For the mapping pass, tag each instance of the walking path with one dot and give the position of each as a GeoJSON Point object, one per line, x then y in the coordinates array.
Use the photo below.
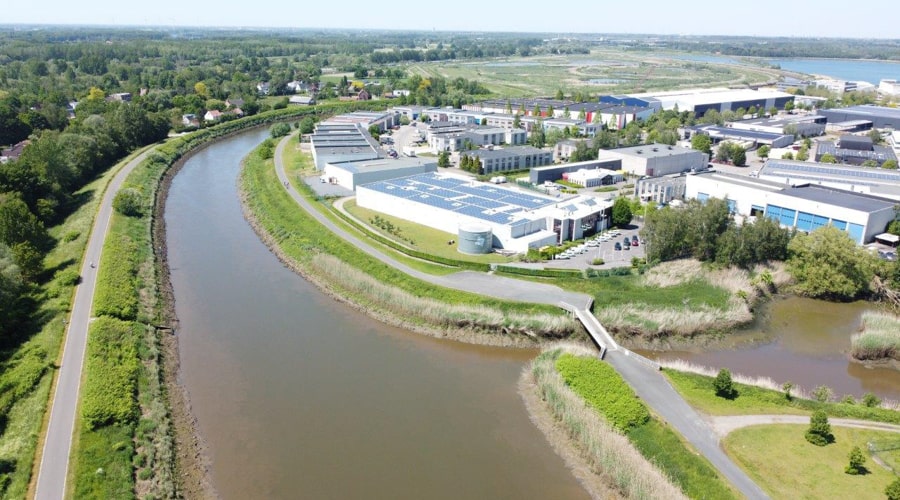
{"type": "Point", "coordinates": [723, 425]}
{"type": "Point", "coordinates": [51, 482]}
{"type": "Point", "coordinates": [648, 382]}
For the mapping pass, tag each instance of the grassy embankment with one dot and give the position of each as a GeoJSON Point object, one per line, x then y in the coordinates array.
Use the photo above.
{"type": "Point", "coordinates": [27, 371]}
{"type": "Point", "coordinates": [880, 338]}
{"type": "Point", "coordinates": [759, 396]}
{"type": "Point", "coordinates": [634, 452]}
{"type": "Point", "coordinates": [785, 465]}
{"type": "Point", "coordinates": [352, 274]}
{"type": "Point", "coordinates": [124, 442]}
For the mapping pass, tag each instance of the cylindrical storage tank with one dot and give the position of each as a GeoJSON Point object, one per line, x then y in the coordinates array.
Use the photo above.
{"type": "Point", "coordinates": [475, 238]}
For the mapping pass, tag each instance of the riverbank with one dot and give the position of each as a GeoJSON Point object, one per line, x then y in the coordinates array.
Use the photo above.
{"type": "Point", "coordinates": [879, 341]}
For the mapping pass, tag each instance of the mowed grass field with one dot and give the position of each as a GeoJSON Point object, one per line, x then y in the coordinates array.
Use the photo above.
{"type": "Point", "coordinates": [419, 237]}
{"type": "Point", "coordinates": [785, 465]}
{"type": "Point", "coordinates": [601, 71]}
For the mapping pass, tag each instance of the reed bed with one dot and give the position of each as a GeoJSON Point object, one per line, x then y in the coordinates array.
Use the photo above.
{"type": "Point", "coordinates": [609, 452]}
{"type": "Point", "coordinates": [662, 321]}
{"type": "Point", "coordinates": [405, 304]}
{"type": "Point", "coordinates": [880, 338]}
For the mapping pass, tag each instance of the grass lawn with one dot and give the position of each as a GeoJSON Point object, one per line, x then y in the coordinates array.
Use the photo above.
{"type": "Point", "coordinates": [785, 465]}
{"type": "Point", "coordinates": [295, 161]}
{"type": "Point", "coordinates": [419, 237]}
{"type": "Point", "coordinates": [699, 393]}
{"type": "Point", "coordinates": [616, 290]}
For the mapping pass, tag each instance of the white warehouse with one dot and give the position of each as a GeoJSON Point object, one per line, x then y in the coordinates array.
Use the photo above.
{"type": "Point", "coordinates": [804, 207]}
{"type": "Point", "coordinates": [518, 220]}
{"type": "Point", "coordinates": [656, 159]}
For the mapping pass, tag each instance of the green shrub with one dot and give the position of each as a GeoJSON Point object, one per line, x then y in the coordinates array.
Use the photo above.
{"type": "Point", "coordinates": [117, 294]}
{"type": "Point", "coordinates": [111, 370]}
{"type": "Point", "coordinates": [870, 400]}
{"type": "Point", "coordinates": [601, 387]}
{"type": "Point", "coordinates": [819, 432]}
{"type": "Point", "coordinates": [597, 262]}
{"type": "Point", "coordinates": [279, 130]}
{"type": "Point", "coordinates": [723, 385]}
{"type": "Point", "coordinates": [71, 236]}
{"type": "Point", "coordinates": [857, 463]}
{"type": "Point", "coordinates": [128, 201]}
{"type": "Point", "coordinates": [893, 490]}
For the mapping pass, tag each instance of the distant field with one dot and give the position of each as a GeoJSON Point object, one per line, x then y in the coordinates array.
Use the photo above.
{"type": "Point", "coordinates": [605, 71]}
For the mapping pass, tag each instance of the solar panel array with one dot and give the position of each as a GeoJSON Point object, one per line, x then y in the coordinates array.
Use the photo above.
{"type": "Point", "coordinates": [486, 202]}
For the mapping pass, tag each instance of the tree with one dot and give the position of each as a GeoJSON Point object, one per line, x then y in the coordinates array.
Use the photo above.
{"type": "Point", "coordinates": [787, 387]}
{"type": "Point", "coordinates": [517, 121]}
{"type": "Point", "coordinates": [701, 142]}
{"type": "Point", "coordinates": [538, 137]}
{"type": "Point", "coordinates": [375, 131]}
{"type": "Point", "coordinates": [559, 95]}
{"type": "Point", "coordinates": [890, 164]}
{"type": "Point", "coordinates": [201, 90]}
{"type": "Point", "coordinates": [893, 490]}
{"type": "Point", "coordinates": [763, 151]}
{"type": "Point", "coordinates": [869, 164]}
{"type": "Point", "coordinates": [787, 156]}
{"type": "Point", "coordinates": [857, 463]}
{"type": "Point", "coordinates": [789, 106]}
{"type": "Point", "coordinates": [802, 154]}
{"type": "Point", "coordinates": [819, 432]}
{"type": "Point", "coordinates": [870, 400]}
{"type": "Point", "coordinates": [129, 202]}
{"type": "Point", "coordinates": [828, 263]}
{"type": "Point", "coordinates": [307, 125]}
{"type": "Point", "coordinates": [827, 158]}
{"type": "Point", "coordinates": [723, 385]}
{"type": "Point", "coordinates": [279, 130]}
{"type": "Point", "coordinates": [443, 159]}
{"type": "Point", "coordinates": [10, 285]}
{"type": "Point", "coordinates": [822, 393]}
{"type": "Point", "coordinates": [621, 212]}
{"type": "Point", "coordinates": [738, 156]}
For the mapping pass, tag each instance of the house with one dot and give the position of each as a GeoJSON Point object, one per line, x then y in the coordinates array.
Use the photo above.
{"type": "Point", "coordinates": [212, 115]}
{"type": "Point", "coordinates": [297, 86]}
{"type": "Point", "coordinates": [14, 151]}
{"type": "Point", "coordinates": [119, 97]}
{"type": "Point", "coordinates": [303, 100]}
{"type": "Point", "coordinates": [238, 112]}
{"type": "Point", "coordinates": [235, 102]}
{"type": "Point", "coordinates": [363, 95]}
{"type": "Point", "coordinates": [190, 120]}
{"type": "Point", "coordinates": [263, 88]}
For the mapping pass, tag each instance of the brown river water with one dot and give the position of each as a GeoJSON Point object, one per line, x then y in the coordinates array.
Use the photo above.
{"type": "Point", "coordinates": [299, 396]}
{"type": "Point", "coordinates": [803, 341]}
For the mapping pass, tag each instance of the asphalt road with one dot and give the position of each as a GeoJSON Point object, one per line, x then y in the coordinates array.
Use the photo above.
{"type": "Point", "coordinates": [51, 482]}
{"type": "Point", "coordinates": [649, 384]}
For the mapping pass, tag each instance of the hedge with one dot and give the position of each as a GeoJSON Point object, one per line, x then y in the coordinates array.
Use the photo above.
{"type": "Point", "coordinates": [111, 371]}
{"type": "Point", "coordinates": [543, 273]}
{"type": "Point", "coordinates": [602, 387]}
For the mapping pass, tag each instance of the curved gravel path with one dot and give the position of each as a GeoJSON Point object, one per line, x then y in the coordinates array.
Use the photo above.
{"type": "Point", "coordinates": [723, 425]}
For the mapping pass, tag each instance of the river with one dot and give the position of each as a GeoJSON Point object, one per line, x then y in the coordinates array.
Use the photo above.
{"type": "Point", "coordinates": [300, 396]}
{"type": "Point", "coordinates": [844, 69]}
{"type": "Point", "coordinates": [803, 341]}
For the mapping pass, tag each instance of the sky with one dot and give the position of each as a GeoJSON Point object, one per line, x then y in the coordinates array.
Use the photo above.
{"type": "Point", "coordinates": [804, 18]}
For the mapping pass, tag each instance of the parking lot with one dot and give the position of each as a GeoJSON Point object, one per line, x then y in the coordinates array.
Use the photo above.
{"type": "Point", "coordinates": [604, 250]}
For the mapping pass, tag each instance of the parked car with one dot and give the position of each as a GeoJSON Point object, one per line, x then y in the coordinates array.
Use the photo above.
{"type": "Point", "coordinates": [634, 241]}
{"type": "Point", "coordinates": [627, 244]}
{"type": "Point", "coordinates": [618, 246]}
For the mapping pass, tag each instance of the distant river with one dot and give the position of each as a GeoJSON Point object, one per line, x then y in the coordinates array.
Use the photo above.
{"type": "Point", "coordinates": [844, 69]}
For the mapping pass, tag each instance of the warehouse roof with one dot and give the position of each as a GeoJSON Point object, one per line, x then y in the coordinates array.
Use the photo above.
{"type": "Point", "coordinates": [840, 198]}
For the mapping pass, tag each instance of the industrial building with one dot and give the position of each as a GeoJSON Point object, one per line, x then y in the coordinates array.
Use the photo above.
{"type": "Point", "coordinates": [874, 181]}
{"type": "Point", "coordinates": [457, 138]}
{"type": "Point", "coordinates": [552, 173]}
{"type": "Point", "coordinates": [656, 159]}
{"type": "Point", "coordinates": [753, 138]}
{"type": "Point", "coordinates": [796, 125]}
{"type": "Point", "coordinates": [350, 174]}
{"type": "Point", "coordinates": [335, 142]}
{"type": "Point", "coordinates": [593, 177]}
{"type": "Point", "coordinates": [699, 101]}
{"type": "Point", "coordinates": [880, 116]}
{"type": "Point", "coordinates": [804, 207]}
{"type": "Point", "coordinates": [661, 190]}
{"type": "Point", "coordinates": [855, 150]}
{"type": "Point", "coordinates": [511, 158]}
{"type": "Point", "coordinates": [478, 212]}
{"type": "Point", "coordinates": [384, 120]}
